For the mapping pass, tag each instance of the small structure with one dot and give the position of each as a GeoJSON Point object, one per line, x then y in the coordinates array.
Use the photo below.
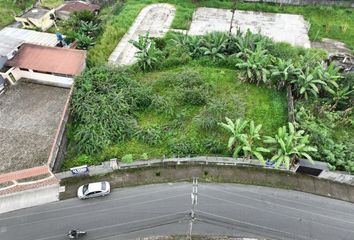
{"type": "Point", "coordinates": [37, 18]}
{"type": "Point", "coordinates": [63, 12]}
{"type": "Point", "coordinates": [12, 38]}
{"type": "Point", "coordinates": [45, 65]}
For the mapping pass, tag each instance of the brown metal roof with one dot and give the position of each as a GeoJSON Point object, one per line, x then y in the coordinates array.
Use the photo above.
{"type": "Point", "coordinates": [49, 59]}
{"type": "Point", "coordinates": [76, 6]}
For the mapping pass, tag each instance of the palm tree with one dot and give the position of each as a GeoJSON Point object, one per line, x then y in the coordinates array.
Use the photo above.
{"type": "Point", "coordinates": [290, 144]}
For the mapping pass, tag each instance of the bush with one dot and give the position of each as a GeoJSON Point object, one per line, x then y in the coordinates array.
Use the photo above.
{"type": "Point", "coordinates": [161, 105]}
{"type": "Point", "coordinates": [214, 146]}
{"type": "Point", "coordinates": [150, 136]}
{"type": "Point", "coordinates": [216, 111]}
{"type": "Point", "coordinates": [189, 87]}
{"type": "Point", "coordinates": [128, 158]}
{"type": "Point", "coordinates": [184, 147]}
{"type": "Point", "coordinates": [79, 161]}
{"type": "Point", "coordinates": [103, 105]}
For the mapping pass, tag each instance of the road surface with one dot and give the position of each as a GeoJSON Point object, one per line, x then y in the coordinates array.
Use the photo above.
{"type": "Point", "coordinates": [229, 209]}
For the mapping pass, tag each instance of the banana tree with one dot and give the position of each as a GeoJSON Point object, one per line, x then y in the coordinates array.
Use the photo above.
{"type": "Point", "coordinates": [308, 83]}
{"type": "Point", "coordinates": [244, 139]}
{"type": "Point", "coordinates": [256, 65]}
{"type": "Point", "coordinates": [289, 145]}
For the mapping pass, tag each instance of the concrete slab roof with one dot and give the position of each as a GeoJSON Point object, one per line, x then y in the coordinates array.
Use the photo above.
{"type": "Point", "coordinates": [75, 6]}
{"type": "Point", "coordinates": [49, 59]}
{"type": "Point", "coordinates": [7, 34]}
{"type": "Point", "coordinates": [35, 13]}
{"type": "Point", "coordinates": [29, 117]}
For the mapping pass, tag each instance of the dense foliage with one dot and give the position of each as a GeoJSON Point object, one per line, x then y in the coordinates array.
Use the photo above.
{"type": "Point", "coordinates": [104, 104]}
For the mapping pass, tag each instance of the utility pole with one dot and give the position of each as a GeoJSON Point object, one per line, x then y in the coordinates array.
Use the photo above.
{"type": "Point", "coordinates": [194, 196]}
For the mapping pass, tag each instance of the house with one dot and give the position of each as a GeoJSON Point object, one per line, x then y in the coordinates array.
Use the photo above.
{"type": "Point", "coordinates": [63, 12]}
{"type": "Point", "coordinates": [12, 38]}
{"type": "Point", "coordinates": [37, 18]}
{"type": "Point", "coordinates": [45, 65]}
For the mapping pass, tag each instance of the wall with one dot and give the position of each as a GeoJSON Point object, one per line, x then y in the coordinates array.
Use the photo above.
{"type": "Point", "coordinates": [29, 198]}
{"type": "Point", "coordinates": [41, 78]}
{"type": "Point", "coordinates": [347, 3]}
{"type": "Point", "coordinates": [217, 173]}
{"type": "Point", "coordinates": [57, 152]}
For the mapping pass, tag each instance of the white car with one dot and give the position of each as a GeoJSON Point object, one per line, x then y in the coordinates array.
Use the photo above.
{"type": "Point", "coordinates": [92, 190]}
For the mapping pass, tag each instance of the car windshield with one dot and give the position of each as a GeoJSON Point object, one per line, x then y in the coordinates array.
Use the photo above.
{"type": "Point", "coordinates": [84, 189]}
{"type": "Point", "coordinates": [103, 185]}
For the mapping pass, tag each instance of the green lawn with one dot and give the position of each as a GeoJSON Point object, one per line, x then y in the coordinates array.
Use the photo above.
{"type": "Point", "coordinates": [263, 105]}
{"type": "Point", "coordinates": [8, 9]}
{"type": "Point", "coordinates": [326, 21]}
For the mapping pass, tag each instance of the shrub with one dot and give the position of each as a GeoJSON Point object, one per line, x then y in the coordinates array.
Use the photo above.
{"type": "Point", "coordinates": [214, 146]}
{"type": "Point", "coordinates": [128, 158]}
{"type": "Point", "coordinates": [184, 147]}
{"type": "Point", "coordinates": [151, 135]}
{"type": "Point", "coordinates": [161, 105]}
{"type": "Point", "coordinates": [189, 87]}
{"type": "Point", "coordinates": [216, 111]}
{"type": "Point", "coordinates": [79, 161]}
{"type": "Point", "coordinates": [103, 105]}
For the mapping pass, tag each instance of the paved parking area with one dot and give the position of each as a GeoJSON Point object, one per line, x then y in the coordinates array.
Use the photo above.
{"type": "Point", "coordinates": [289, 28]}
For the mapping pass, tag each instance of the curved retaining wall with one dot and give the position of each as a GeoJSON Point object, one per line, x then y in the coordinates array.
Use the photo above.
{"type": "Point", "coordinates": [216, 173]}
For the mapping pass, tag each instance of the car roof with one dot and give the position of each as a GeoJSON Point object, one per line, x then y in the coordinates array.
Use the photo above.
{"type": "Point", "coordinates": [97, 186]}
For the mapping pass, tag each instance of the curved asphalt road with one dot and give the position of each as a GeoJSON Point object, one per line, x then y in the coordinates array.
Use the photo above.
{"type": "Point", "coordinates": [228, 209]}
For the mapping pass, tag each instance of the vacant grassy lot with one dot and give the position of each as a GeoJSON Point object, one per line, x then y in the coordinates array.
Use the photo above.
{"type": "Point", "coordinates": [326, 21]}
{"type": "Point", "coordinates": [180, 126]}
{"type": "Point", "coordinates": [9, 8]}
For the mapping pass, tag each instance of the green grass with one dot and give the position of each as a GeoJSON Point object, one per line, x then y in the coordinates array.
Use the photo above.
{"type": "Point", "coordinates": [51, 3]}
{"type": "Point", "coordinates": [8, 9]}
{"type": "Point", "coordinates": [264, 106]}
{"type": "Point", "coordinates": [326, 21]}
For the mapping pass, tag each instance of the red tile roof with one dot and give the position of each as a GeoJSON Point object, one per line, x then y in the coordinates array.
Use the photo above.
{"type": "Point", "coordinates": [76, 6]}
{"type": "Point", "coordinates": [49, 59]}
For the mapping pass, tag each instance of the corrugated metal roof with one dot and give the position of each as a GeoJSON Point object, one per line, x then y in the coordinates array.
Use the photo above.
{"type": "Point", "coordinates": [30, 36]}
{"type": "Point", "coordinates": [75, 6]}
{"type": "Point", "coordinates": [49, 59]}
{"type": "Point", "coordinates": [8, 44]}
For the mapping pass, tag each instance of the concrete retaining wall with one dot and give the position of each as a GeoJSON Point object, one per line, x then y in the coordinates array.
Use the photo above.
{"type": "Point", "coordinates": [345, 3]}
{"type": "Point", "coordinates": [217, 173]}
{"type": "Point", "coordinates": [29, 198]}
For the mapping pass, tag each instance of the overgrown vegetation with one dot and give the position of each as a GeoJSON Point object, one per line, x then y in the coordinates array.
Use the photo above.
{"type": "Point", "coordinates": [326, 21]}
{"type": "Point", "coordinates": [187, 85]}
{"type": "Point", "coordinates": [10, 8]}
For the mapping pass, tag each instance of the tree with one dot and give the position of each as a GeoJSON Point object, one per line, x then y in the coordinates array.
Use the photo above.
{"type": "Point", "coordinates": [340, 95]}
{"type": "Point", "coordinates": [284, 72]}
{"type": "Point", "coordinates": [214, 45]}
{"type": "Point", "coordinates": [148, 55]}
{"type": "Point", "coordinates": [243, 140]}
{"type": "Point", "coordinates": [308, 83]}
{"type": "Point", "coordinates": [289, 145]}
{"type": "Point", "coordinates": [256, 65]}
